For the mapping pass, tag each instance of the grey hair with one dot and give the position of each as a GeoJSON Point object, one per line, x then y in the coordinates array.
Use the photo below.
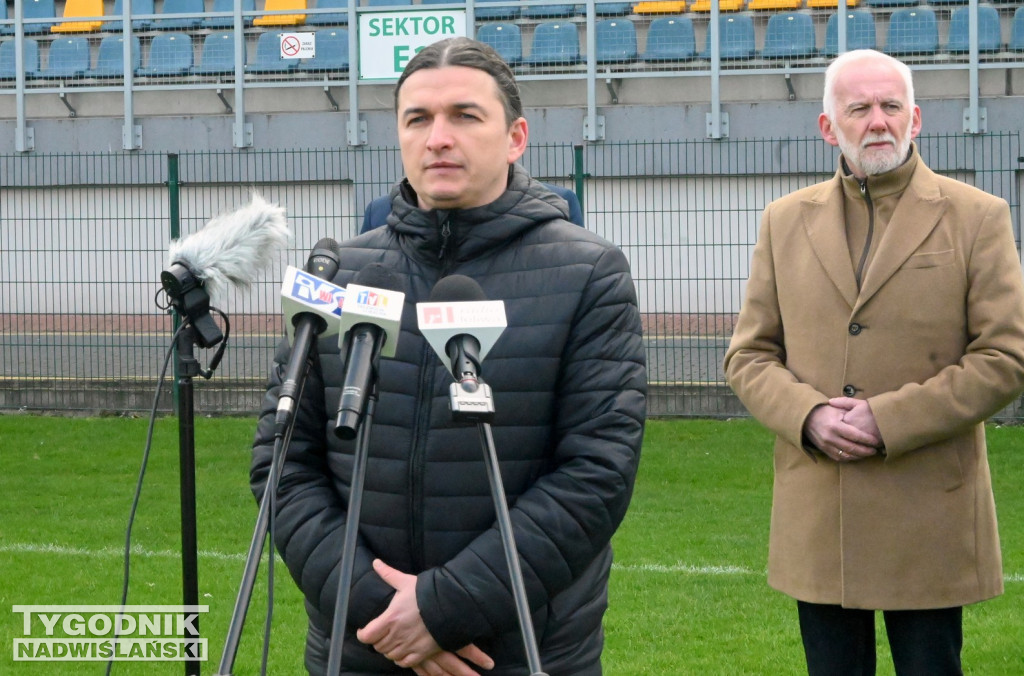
{"type": "Point", "coordinates": [469, 53]}
{"type": "Point", "coordinates": [828, 100]}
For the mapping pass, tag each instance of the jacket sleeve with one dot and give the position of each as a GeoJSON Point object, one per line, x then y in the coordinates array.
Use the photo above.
{"type": "Point", "coordinates": [309, 513]}
{"type": "Point", "coordinates": [566, 518]}
{"type": "Point", "coordinates": [755, 362]}
{"type": "Point", "coordinates": [990, 373]}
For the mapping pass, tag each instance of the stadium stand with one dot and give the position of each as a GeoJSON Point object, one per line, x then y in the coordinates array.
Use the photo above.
{"type": "Point", "coordinates": [789, 35]}
{"type": "Point", "coordinates": [193, 8]}
{"type": "Point", "coordinates": [659, 7]}
{"type": "Point", "coordinates": [735, 36]}
{"type": "Point", "coordinates": [7, 58]}
{"type": "Point", "coordinates": [339, 18]}
{"type": "Point", "coordinates": [555, 43]}
{"type": "Point", "coordinates": [110, 57]}
{"type": "Point", "coordinates": [169, 54]}
{"type": "Point", "coordinates": [612, 8]}
{"type": "Point", "coordinates": [139, 7]}
{"type": "Point", "coordinates": [388, 3]}
{"type": "Point", "coordinates": [282, 19]}
{"type": "Point", "coordinates": [5, 29]}
{"type": "Point", "coordinates": [615, 41]}
{"type": "Point", "coordinates": [268, 55]}
{"type": "Point", "coordinates": [215, 22]}
{"type": "Point", "coordinates": [331, 52]}
{"type": "Point", "coordinates": [670, 38]}
{"type": "Point", "coordinates": [860, 32]}
{"type": "Point", "coordinates": [990, 37]}
{"type": "Point", "coordinates": [506, 39]}
{"type": "Point", "coordinates": [890, 3]}
{"type": "Point", "coordinates": [217, 55]}
{"type": "Point", "coordinates": [775, 4]}
{"type": "Point", "coordinates": [549, 11]}
{"type": "Point", "coordinates": [79, 9]}
{"type": "Point", "coordinates": [912, 31]}
{"type": "Point", "coordinates": [66, 58]}
{"type": "Point", "coordinates": [39, 9]}
{"type": "Point", "coordinates": [1016, 43]}
{"type": "Point", "coordinates": [723, 6]}
{"type": "Point", "coordinates": [504, 11]}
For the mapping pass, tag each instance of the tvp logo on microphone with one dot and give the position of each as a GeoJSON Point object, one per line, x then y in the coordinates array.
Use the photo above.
{"type": "Point", "coordinates": [63, 633]}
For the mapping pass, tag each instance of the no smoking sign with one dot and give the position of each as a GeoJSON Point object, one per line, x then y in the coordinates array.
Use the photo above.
{"type": "Point", "coordinates": [298, 45]}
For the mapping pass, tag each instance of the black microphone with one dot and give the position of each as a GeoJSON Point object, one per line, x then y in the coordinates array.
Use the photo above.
{"type": "Point", "coordinates": [323, 262]}
{"type": "Point", "coordinates": [462, 325]}
{"type": "Point", "coordinates": [370, 324]}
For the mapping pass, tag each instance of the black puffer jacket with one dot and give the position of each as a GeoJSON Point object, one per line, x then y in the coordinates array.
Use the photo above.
{"type": "Point", "coordinates": [569, 383]}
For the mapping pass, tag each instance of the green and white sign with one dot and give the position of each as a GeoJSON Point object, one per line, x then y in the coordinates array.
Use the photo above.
{"type": "Point", "coordinates": [387, 40]}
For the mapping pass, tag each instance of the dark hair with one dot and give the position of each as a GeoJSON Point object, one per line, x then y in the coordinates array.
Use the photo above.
{"type": "Point", "coordinates": [469, 54]}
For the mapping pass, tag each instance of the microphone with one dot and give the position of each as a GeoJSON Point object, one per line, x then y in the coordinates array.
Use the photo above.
{"type": "Point", "coordinates": [370, 326]}
{"type": "Point", "coordinates": [228, 251]}
{"type": "Point", "coordinates": [462, 326]}
{"type": "Point", "coordinates": [307, 316]}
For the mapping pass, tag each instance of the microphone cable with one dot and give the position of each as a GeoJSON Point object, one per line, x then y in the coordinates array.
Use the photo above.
{"type": "Point", "coordinates": [149, 447]}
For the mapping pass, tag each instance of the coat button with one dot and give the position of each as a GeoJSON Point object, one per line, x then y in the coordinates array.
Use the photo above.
{"type": "Point", "coordinates": [849, 391]}
{"type": "Point", "coordinates": [855, 329]}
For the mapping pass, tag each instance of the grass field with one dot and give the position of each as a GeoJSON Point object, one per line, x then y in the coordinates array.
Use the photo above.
{"type": "Point", "coordinates": [688, 589]}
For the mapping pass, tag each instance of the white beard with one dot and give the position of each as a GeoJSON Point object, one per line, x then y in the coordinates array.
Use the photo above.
{"type": "Point", "coordinates": [874, 162]}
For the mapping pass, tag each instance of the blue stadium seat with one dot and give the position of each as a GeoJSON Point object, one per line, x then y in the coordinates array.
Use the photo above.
{"type": "Point", "coordinates": [215, 22]}
{"type": "Point", "coordinates": [195, 8]}
{"type": "Point", "coordinates": [670, 38]}
{"type": "Point", "coordinates": [385, 3]}
{"type": "Point", "coordinates": [891, 3]}
{"type": "Point", "coordinates": [110, 57]}
{"type": "Point", "coordinates": [268, 56]}
{"type": "Point", "coordinates": [67, 58]}
{"type": "Point", "coordinates": [615, 41]}
{"type": "Point", "coordinates": [789, 35]}
{"type": "Point", "coordinates": [169, 54]}
{"type": "Point", "coordinates": [1017, 31]}
{"type": "Point", "coordinates": [550, 11]}
{"type": "Point", "coordinates": [30, 54]}
{"type": "Point", "coordinates": [39, 9]}
{"type": "Point", "coordinates": [860, 32]}
{"type": "Point", "coordinates": [139, 7]}
{"type": "Point", "coordinates": [505, 10]}
{"type": "Point", "coordinates": [735, 35]}
{"type": "Point", "coordinates": [612, 8]}
{"type": "Point", "coordinates": [339, 18]}
{"type": "Point", "coordinates": [555, 43]}
{"type": "Point", "coordinates": [505, 38]}
{"type": "Point", "coordinates": [990, 37]}
{"type": "Point", "coordinates": [331, 51]}
{"type": "Point", "coordinates": [5, 29]}
{"type": "Point", "coordinates": [912, 31]}
{"type": "Point", "coordinates": [217, 56]}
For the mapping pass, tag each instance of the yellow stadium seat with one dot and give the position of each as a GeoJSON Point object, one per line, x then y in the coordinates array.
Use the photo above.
{"type": "Point", "coordinates": [79, 8]}
{"type": "Point", "coordinates": [723, 6]}
{"type": "Point", "coordinates": [659, 7]}
{"type": "Point", "coordinates": [829, 3]}
{"type": "Point", "coordinates": [282, 19]}
{"type": "Point", "coordinates": [775, 4]}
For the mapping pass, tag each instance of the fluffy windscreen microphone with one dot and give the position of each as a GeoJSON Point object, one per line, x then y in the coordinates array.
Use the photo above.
{"type": "Point", "coordinates": [456, 289]}
{"type": "Point", "coordinates": [231, 249]}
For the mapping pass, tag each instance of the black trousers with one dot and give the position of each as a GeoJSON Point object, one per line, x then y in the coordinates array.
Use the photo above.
{"type": "Point", "coordinates": [841, 641]}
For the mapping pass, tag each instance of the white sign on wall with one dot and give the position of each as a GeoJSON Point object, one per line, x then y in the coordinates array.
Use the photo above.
{"type": "Point", "coordinates": [387, 40]}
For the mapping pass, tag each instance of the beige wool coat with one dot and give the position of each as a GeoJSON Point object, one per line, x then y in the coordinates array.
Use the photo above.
{"type": "Point", "coordinates": [934, 340]}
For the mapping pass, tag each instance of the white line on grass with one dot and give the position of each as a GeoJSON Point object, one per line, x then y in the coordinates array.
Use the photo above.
{"type": "Point", "coordinates": [676, 568]}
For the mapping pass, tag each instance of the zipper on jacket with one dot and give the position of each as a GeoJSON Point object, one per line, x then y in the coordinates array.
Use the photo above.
{"type": "Point", "coordinates": [871, 230]}
{"type": "Point", "coordinates": [446, 233]}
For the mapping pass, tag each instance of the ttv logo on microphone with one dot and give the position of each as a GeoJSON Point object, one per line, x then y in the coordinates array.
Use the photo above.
{"type": "Point", "coordinates": [371, 299]}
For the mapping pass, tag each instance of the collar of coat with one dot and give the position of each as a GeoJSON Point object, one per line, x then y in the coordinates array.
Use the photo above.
{"type": "Point", "coordinates": [525, 204]}
{"type": "Point", "coordinates": [920, 208]}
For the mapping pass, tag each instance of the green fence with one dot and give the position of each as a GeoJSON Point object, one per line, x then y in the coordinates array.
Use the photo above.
{"type": "Point", "coordinates": [83, 239]}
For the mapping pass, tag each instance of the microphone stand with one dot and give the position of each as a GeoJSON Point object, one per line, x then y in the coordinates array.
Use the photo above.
{"type": "Point", "coordinates": [511, 553]}
{"type": "Point", "coordinates": [348, 552]}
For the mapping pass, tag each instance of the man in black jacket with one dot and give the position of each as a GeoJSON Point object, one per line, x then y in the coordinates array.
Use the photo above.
{"type": "Point", "coordinates": [431, 590]}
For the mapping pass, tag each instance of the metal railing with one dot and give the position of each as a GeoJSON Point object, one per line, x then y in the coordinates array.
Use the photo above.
{"type": "Point", "coordinates": [83, 239]}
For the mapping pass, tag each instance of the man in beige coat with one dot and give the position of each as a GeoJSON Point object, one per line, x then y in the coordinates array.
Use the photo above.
{"type": "Point", "coordinates": [883, 323]}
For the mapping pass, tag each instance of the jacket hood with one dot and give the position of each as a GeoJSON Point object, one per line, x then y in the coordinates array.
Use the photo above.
{"type": "Point", "coordinates": [525, 204]}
